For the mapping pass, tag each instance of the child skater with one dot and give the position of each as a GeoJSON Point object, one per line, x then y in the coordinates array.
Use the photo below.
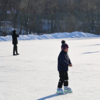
{"type": "Point", "coordinates": [63, 63]}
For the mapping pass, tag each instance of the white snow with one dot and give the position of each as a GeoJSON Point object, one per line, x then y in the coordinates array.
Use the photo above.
{"type": "Point", "coordinates": [33, 74]}
{"type": "Point", "coordinates": [51, 36]}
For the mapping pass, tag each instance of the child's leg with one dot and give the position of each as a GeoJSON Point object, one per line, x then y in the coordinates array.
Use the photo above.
{"type": "Point", "coordinates": [66, 78]}
{"type": "Point", "coordinates": [66, 88]}
{"type": "Point", "coordinates": [61, 80]}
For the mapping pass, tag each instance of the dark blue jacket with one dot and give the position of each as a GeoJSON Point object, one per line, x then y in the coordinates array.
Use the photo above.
{"type": "Point", "coordinates": [63, 61]}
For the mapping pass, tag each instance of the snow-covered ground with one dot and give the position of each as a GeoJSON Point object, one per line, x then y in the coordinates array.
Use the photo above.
{"type": "Point", "coordinates": [51, 36]}
{"type": "Point", "coordinates": [33, 74]}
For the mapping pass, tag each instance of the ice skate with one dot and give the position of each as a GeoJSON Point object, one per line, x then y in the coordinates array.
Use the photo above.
{"type": "Point", "coordinates": [67, 89]}
{"type": "Point", "coordinates": [60, 91]}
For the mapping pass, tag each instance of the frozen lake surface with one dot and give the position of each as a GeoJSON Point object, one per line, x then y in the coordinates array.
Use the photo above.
{"type": "Point", "coordinates": [33, 74]}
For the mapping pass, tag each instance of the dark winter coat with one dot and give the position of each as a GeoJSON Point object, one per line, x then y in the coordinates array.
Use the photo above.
{"type": "Point", "coordinates": [63, 61]}
{"type": "Point", "coordinates": [14, 38]}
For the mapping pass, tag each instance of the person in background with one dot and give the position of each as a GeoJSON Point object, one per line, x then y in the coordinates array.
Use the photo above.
{"type": "Point", "coordinates": [63, 64]}
{"type": "Point", "coordinates": [15, 42]}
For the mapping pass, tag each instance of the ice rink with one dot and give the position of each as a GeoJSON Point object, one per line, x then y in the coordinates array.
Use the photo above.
{"type": "Point", "coordinates": [33, 74]}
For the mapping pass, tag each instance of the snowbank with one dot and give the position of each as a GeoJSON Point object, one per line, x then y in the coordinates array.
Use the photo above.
{"type": "Point", "coordinates": [51, 36]}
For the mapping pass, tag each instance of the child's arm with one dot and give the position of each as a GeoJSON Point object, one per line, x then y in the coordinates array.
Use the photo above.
{"type": "Point", "coordinates": [64, 60]}
{"type": "Point", "coordinates": [70, 64]}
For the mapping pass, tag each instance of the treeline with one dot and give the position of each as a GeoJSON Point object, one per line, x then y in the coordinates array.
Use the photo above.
{"type": "Point", "coordinates": [49, 6]}
{"type": "Point", "coordinates": [48, 16]}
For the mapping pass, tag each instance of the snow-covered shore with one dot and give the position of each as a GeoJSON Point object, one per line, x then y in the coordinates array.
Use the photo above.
{"type": "Point", "coordinates": [50, 36]}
